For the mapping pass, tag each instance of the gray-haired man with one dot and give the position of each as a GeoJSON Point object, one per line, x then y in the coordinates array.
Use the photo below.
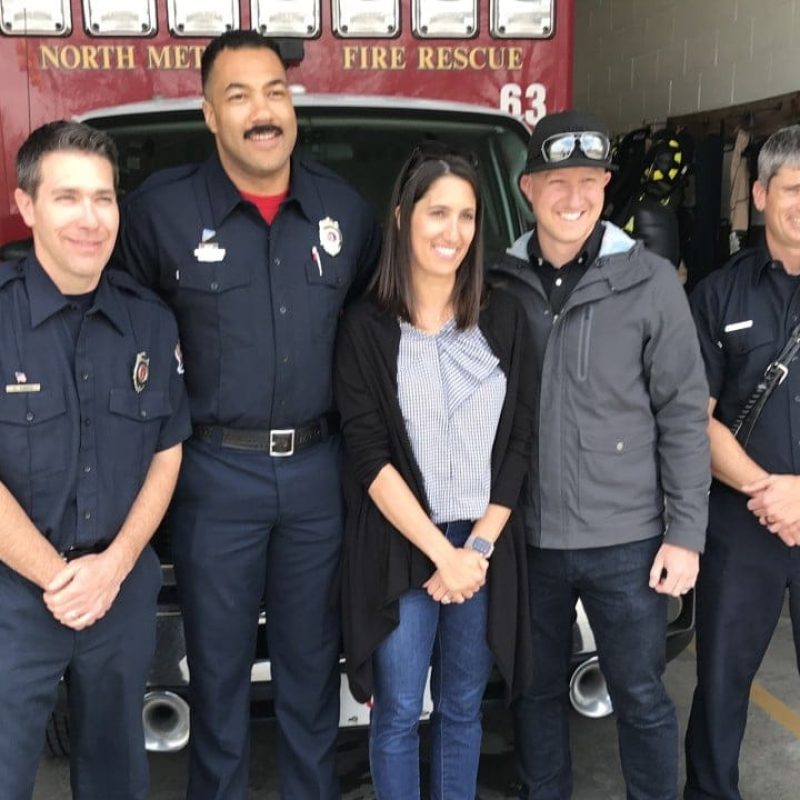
{"type": "Point", "coordinates": [745, 313]}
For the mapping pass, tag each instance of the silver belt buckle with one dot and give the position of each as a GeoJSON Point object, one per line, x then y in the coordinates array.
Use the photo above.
{"type": "Point", "coordinates": [276, 447]}
{"type": "Point", "coordinates": [783, 369]}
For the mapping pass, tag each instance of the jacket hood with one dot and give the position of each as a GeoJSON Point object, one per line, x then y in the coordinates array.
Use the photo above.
{"type": "Point", "coordinates": [614, 241]}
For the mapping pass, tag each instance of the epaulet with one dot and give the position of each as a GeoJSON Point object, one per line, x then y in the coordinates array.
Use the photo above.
{"type": "Point", "coordinates": [10, 271]}
{"type": "Point", "coordinates": [746, 252]}
{"type": "Point", "coordinates": [165, 177]}
{"type": "Point", "coordinates": [321, 171]}
{"type": "Point", "coordinates": [122, 280]}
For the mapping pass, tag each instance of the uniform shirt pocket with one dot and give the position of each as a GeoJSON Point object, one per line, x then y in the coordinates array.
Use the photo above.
{"type": "Point", "coordinates": [211, 305]}
{"type": "Point", "coordinates": [34, 434]}
{"type": "Point", "coordinates": [326, 284]}
{"type": "Point", "coordinates": [617, 472]}
{"type": "Point", "coordinates": [135, 423]}
{"type": "Point", "coordinates": [749, 351]}
{"type": "Point", "coordinates": [212, 278]}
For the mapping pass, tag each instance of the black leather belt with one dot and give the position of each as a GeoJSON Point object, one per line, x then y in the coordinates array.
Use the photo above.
{"type": "Point", "coordinates": [278, 442]}
{"type": "Point", "coordinates": [71, 553]}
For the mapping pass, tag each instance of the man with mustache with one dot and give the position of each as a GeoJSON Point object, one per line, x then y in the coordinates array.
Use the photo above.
{"type": "Point", "coordinates": [256, 252]}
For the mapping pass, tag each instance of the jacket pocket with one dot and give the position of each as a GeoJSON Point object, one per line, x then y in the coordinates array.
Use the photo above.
{"type": "Point", "coordinates": [584, 340]}
{"type": "Point", "coordinates": [617, 472]}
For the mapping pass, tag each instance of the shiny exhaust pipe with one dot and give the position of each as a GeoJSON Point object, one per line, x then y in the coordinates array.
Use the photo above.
{"type": "Point", "coordinates": [166, 722]}
{"type": "Point", "coordinates": [588, 692]}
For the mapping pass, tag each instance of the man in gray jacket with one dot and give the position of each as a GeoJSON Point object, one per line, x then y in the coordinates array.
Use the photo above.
{"type": "Point", "coordinates": [616, 508]}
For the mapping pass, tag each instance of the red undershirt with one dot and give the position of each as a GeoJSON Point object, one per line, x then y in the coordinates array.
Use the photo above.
{"type": "Point", "coordinates": [267, 205]}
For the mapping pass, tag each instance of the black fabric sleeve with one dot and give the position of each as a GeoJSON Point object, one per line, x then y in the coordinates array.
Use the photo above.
{"type": "Point", "coordinates": [178, 426]}
{"type": "Point", "coordinates": [516, 462]}
{"type": "Point", "coordinates": [136, 252]}
{"type": "Point", "coordinates": [704, 303]}
{"type": "Point", "coordinates": [367, 260]}
{"type": "Point", "coordinates": [364, 428]}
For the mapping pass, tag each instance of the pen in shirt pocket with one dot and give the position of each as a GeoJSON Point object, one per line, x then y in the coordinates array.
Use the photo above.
{"type": "Point", "coordinates": [317, 259]}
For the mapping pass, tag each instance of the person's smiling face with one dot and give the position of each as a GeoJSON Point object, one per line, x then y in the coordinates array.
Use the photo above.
{"type": "Point", "coordinates": [442, 227]}
{"type": "Point", "coordinates": [248, 107]}
{"type": "Point", "coordinates": [567, 203]}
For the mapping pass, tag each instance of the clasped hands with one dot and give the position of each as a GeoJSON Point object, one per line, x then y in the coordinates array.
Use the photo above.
{"type": "Point", "coordinates": [458, 576]}
{"type": "Point", "coordinates": [84, 590]}
{"type": "Point", "coordinates": [775, 501]}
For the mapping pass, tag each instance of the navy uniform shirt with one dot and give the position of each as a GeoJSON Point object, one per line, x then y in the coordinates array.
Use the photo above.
{"type": "Point", "coordinates": [744, 314]}
{"type": "Point", "coordinates": [257, 304]}
{"type": "Point", "coordinates": [76, 438]}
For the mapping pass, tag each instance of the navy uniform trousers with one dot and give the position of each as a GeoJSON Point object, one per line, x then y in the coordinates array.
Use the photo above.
{"type": "Point", "coordinates": [248, 526]}
{"type": "Point", "coordinates": [744, 574]}
{"type": "Point", "coordinates": [105, 665]}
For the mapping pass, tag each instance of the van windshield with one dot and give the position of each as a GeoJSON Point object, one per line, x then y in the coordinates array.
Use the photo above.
{"type": "Point", "coordinates": [366, 146]}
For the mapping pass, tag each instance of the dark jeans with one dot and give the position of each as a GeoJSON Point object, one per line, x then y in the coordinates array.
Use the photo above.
{"type": "Point", "coordinates": [629, 623]}
{"type": "Point", "coordinates": [451, 639]}
{"type": "Point", "coordinates": [744, 574]}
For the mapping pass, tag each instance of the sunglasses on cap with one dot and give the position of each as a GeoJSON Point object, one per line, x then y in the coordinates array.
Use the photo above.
{"type": "Point", "coordinates": [593, 144]}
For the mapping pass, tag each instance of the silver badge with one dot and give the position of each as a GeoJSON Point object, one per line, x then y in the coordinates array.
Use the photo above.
{"type": "Point", "coordinates": [330, 236]}
{"type": "Point", "coordinates": [141, 371]}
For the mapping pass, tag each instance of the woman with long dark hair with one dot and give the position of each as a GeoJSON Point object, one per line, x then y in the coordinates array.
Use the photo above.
{"type": "Point", "coordinates": [436, 415]}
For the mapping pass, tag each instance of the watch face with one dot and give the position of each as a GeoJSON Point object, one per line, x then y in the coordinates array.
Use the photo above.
{"type": "Point", "coordinates": [482, 546]}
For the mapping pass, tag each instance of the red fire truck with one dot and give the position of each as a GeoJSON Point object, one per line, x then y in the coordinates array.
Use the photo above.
{"type": "Point", "coordinates": [65, 58]}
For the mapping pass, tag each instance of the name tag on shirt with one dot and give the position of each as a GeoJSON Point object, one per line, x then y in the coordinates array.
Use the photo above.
{"type": "Point", "coordinates": [738, 326]}
{"type": "Point", "coordinates": [21, 388]}
{"type": "Point", "coordinates": [209, 252]}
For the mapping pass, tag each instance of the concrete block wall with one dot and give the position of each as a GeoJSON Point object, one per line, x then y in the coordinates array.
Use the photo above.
{"type": "Point", "coordinates": [644, 60]}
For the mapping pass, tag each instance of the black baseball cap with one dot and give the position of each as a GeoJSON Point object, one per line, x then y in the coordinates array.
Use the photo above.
{"type": "Point", "coordinates": [555, 127]}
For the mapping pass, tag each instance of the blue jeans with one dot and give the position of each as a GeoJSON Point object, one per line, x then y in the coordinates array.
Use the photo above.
{"type": "Point", "coordinates": [451, 639]}
{"type": "Point", "coordinates": [629, 623]}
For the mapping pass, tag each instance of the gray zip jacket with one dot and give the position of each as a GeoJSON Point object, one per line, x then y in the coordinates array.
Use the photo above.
{"type": "Point", "coordinates": [623, 408]}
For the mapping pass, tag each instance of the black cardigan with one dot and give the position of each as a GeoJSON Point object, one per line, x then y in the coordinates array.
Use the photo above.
{"type": "Point", "coordinates": [378, 563]}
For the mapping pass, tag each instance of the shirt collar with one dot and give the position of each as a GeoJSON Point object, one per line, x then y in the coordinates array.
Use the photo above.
{"type": "Point", "coordinates": [224, 196]}
{"type": "Point", "coordinates": [762, 261]}
{"type": "Point", "coordinates": [586, 255]}
{"type": "Point", "coordinates": [43, 295]}
{"type": "Point", "coordinates": [46, 300]}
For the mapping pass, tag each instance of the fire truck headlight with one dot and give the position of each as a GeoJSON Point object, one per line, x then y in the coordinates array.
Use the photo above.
{"type": "Point", "coordinates": [35, 18]}
{"type": "Point", "coordinates": [120, 17]}
{"type": "Point", "coordinates": [202, 17]}
{"type": "Point", "coordinates": [368, 18]}
{"type": "Point", "coordinates": [286, 17]}
{"type": "Point", "coordinates": [522, 19]}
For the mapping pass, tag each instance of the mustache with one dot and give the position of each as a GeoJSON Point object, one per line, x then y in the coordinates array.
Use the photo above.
{"type": "Point", "coordinates": [257, 130]}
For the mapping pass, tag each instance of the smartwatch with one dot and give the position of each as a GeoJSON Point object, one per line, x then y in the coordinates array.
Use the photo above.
{"type": "Point", "coordinates": [482, 546]}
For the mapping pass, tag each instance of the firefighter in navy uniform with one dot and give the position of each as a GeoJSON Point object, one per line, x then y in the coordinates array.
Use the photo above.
{"type": "Point", "coordinates": [92, 415]}
{"type": "Point", "coordinates": [256, 252]}
{"type": "Point", "coordinates": [746, 313]}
